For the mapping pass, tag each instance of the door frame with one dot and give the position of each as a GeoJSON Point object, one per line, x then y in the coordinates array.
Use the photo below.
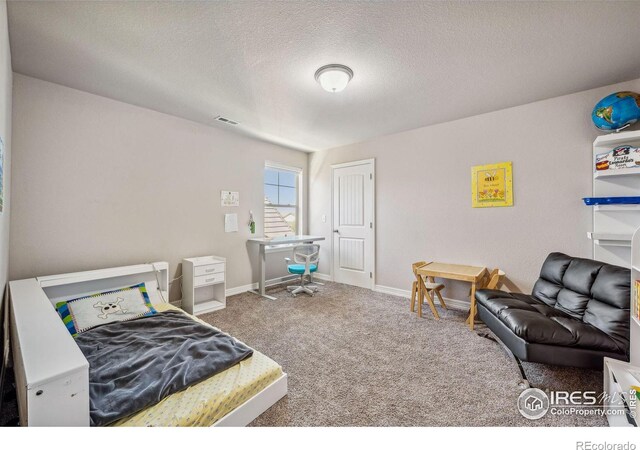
{"type": "Point", "coordinates": [372, 244]}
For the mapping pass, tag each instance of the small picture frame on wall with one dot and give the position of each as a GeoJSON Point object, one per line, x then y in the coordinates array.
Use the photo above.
{"type": "Point", "coordinates": [492, 185]}
{"type": "Point", "coordinates": [229, 198]}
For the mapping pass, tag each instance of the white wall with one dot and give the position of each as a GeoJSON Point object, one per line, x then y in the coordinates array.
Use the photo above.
{"type": "Point", "coordinates": [101, 183]}
{"type": "Point", "coordinates": [5, 133]}
{"type": "Point", "coordinates": [423, 187]}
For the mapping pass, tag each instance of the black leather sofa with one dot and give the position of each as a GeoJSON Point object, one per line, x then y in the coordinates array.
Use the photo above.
{"type": "Point", "coordinates": [577, 314]}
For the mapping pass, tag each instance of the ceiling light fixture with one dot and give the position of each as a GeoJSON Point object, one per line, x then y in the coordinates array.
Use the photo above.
{"type": "Point", "coordinates": [334, 77]}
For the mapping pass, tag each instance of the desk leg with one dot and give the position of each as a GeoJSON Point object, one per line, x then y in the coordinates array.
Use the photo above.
{"type": "Point", "coordinates": [261, 283]}
{"type": "Point", "coordinates": [263, 263]}
{"type": "Point", "coordinates": [472, 312]}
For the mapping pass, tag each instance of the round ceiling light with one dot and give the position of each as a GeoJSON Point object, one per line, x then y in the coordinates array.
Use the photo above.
{"type": "Point", "coordinates": [334, 77]}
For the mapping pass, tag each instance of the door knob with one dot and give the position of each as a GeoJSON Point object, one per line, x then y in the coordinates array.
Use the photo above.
{"type": "Point", "coordinates": [336, 231]}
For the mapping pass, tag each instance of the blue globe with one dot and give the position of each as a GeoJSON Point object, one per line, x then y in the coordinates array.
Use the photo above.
{"type": "Point", "coordinates": [616, 110]}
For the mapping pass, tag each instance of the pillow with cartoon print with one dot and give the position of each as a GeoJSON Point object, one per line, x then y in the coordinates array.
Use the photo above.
{"type": "Point", "coordinates": [82, 314]}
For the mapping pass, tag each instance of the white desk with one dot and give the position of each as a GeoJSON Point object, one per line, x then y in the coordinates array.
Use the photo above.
{"type": "Point", "coordinates": [278, 241]}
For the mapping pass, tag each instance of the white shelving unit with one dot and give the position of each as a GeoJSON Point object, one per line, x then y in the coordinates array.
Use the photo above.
{"type": "Point", "coordinates": [619, 376]}
{"type": "Point", "coordinates": [203, 284]}
{"type": "Point", "coordinates": [635, 300]}
{"type": "Point", "coordinates": [614, 225]}
{"type": "Point", "coordinates": [617, 173]}
{"type": "Point", "coordinates": [618, 379]}
{"type": "Point", "coordinates": [616, 208]}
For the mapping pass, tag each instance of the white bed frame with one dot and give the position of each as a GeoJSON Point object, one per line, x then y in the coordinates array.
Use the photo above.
{"type": "Point", "coordinates": [52, 374]}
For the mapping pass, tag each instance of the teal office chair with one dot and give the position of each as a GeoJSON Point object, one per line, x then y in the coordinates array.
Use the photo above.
{"type": "Point", "coordinates": [305, 259]}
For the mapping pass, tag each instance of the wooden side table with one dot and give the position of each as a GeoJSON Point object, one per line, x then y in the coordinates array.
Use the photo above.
{"type": "Point", "coordinates": [470, 274]}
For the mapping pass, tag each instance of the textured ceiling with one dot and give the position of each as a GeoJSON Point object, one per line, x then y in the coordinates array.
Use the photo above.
{"type": "Point", "coordinates": [415, 63]}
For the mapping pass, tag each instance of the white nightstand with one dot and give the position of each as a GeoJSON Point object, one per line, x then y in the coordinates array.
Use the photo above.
{"type": "Point", "coordinates": [203, 284]}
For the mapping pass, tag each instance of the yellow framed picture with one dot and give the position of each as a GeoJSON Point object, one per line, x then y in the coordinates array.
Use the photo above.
{"type": "Point", "coordinates": [492, 185]}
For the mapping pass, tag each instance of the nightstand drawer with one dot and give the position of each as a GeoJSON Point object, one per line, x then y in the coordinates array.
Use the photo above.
{"type": "Point", "coordinates": [208, 279]}
{"type": "Point", "coordinates": [208, 269]}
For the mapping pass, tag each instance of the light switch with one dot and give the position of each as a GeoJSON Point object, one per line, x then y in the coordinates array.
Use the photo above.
{"type": "Point", "coordinates": [324, 218]}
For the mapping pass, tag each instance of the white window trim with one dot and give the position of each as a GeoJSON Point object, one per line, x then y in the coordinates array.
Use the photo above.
{"type": "Point", "coordinates": [275, 165]}
{"type": "Point", "coordinates": [299, 171]}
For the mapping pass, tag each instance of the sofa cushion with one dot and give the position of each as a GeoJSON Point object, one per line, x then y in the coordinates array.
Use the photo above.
{"type": "Point", "coordinates": [612, 287]}
{"type": "Point", "coordinates": [546, 291]}
{"type": "Point", "coordinates": [554, 267]}
{"type": "Point", "coordinates": [591, 291]}
{"type": "Point", "coordinates": [612, 321]}
{"type": "Point", "coordinates": [537, 322]}
{"type": "Point", "coordinates": [609, 309]}
{"type": "Point", "coordinates": [572, 302]}
{"type": "Point", "coordinates": [576, 283]}
{"type": "Point", "coordinates": [580, 275]}
{"type": "Point", "coordinates": [506, 300]}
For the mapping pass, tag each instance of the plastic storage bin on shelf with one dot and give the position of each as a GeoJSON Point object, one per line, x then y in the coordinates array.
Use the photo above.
{"type": "Point", "coordinates": [591, 201]}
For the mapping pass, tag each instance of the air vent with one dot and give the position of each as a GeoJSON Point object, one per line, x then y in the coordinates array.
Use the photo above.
{"type": "Point", "coordinates": [225, 120]}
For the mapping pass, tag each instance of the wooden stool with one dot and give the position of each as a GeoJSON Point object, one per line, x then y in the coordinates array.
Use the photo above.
{"type": "Point", "coordinates": [422, 289]}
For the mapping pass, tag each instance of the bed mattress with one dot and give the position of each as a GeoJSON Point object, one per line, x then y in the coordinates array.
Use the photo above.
{"type": "Point", "coordinates": [208, 401]}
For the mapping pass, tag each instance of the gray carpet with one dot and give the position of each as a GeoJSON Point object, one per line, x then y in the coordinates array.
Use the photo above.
{"type": "Point", "coordinates": [9, 404]}
{"type": "Point", "coordinates": [356, 357]}
{"type": "Point", "coordinates": [359, 358]}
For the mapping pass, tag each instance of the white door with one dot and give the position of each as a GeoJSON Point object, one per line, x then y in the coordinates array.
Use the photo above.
{"type": "Point", "coordinates": [353, 223]}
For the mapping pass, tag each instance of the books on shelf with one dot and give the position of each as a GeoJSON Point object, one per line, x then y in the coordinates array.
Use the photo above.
{"type": "Point", "coordinates": [619, 158]}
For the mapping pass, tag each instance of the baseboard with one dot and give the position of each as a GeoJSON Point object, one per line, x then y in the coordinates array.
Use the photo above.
{"type": "Point", "coordinates": [323, 276]}
{"type": "Point", "coordinates": [453, 302]}
{"type": "Point", "coordinates": [254, 286]}
{"type": "Point", "coordinates": [241, 289]}
{"type": "Point", "coordinates": [457, 303]}
{"type": "Point", "coordinates": [250, 287]}
{"type": "Point", "coordinates": [392, 291]}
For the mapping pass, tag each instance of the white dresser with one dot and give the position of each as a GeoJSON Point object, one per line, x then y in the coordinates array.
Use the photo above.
{"type": "Point", "coordinates": [203, 284]}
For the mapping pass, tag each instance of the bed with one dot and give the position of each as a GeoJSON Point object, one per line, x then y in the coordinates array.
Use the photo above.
{"type": "Point", "coordinates": [54, 391]}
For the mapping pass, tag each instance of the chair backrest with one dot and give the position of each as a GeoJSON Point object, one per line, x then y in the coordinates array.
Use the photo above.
{"type": "Point", "coordinates": [414, 268]}
{"type": "Point", "coordinates": [495, 279]}
{"type": "Point", "coordinates": [592, 291]}
{"type": "Point", "coordinates": [306, 254]}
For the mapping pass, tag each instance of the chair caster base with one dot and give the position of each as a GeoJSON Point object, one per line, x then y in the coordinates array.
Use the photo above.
{"type": "Point", "coordinates": [295, 290]}
{"type": "Point", "coordinates": [304, 287]}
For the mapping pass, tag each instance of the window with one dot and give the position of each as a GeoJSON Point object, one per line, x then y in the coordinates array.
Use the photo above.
{"type": "Point", "coordinates": [281, 201]}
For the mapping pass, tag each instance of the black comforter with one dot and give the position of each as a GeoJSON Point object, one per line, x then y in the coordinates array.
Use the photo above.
{"type": "Point", "coordinates": [135, 364]}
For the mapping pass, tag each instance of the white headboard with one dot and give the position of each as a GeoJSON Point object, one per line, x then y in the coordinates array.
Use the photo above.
{"type": "Point", "coordinates": [72, 285]}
